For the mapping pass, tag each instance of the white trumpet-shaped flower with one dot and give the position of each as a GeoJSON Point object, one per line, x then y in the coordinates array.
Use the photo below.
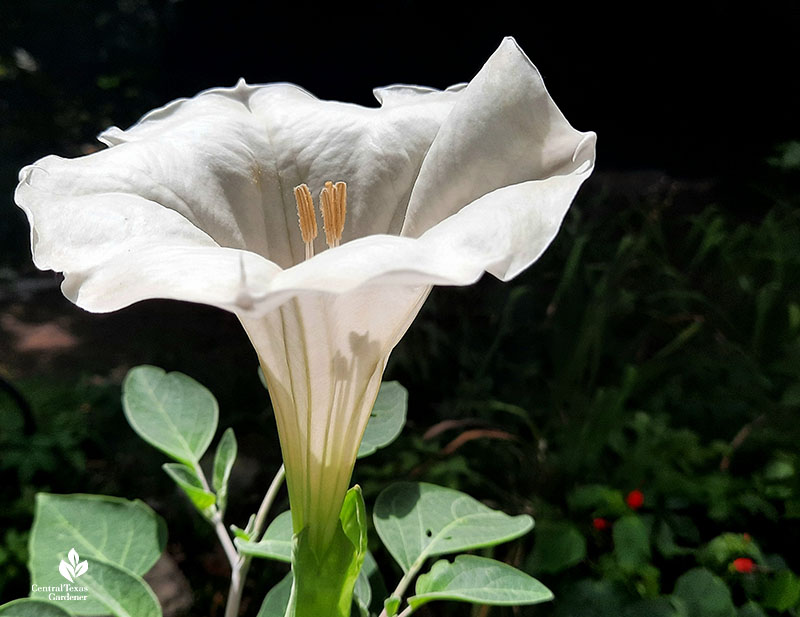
{"type": "Point", "coordinates": [200, 201]}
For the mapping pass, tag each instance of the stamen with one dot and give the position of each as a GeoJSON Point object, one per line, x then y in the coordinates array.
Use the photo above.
{"type": "Point", "coordinates": [307, 217]}
{"type": "Point", "coordinates": [333, 201]}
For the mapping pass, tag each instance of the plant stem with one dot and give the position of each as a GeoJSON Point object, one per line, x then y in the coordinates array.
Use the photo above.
{"type": "Point", "coordinates": [227, 544]}
{"type": "Point", "coordinates": [405, 582]}
{"type": "Point", "coordinates": [216, 520]}
{"type": "Point", "coordinates": [406, 612]}
{"type": "Point", "coordinates": [240, 567]}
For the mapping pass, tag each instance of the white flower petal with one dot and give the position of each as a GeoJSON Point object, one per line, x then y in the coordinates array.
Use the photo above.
{"type": "Point", "coordinates": [199, 192]}
{"type": "Point", "coordinates": [502, 233]}
{"type": "Point", "coordinates": [503, 130]}
{"type": "Point", "coordinates": [195, 202]}
{"type": "Point", "coordinates": [323, 357]}
{"type": "Point", "coordinates": [279, 136]}
{"type": "Point", "coordinates": [81, 220]}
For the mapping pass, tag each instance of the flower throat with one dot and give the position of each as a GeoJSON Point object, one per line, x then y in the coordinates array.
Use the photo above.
{"type": "Point", "coordinates": [333, 203]}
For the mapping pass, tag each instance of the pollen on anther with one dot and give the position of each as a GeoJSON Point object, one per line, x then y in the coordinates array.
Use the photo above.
{"type": "Point", "coordinates": [307, 217]}
{"type": "Point", "coordinates": [333, 202]}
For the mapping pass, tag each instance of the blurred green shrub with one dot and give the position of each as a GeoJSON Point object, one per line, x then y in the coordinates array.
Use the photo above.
{"type": "Point", "coordinates": [637, 392]}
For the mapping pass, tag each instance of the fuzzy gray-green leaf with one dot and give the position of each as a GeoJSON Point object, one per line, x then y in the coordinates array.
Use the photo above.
{"type": "Point", "coordinates": [480, 581]}
{"type": "Point", "coordinates": [386, 420]}
{"type": "Point", "coordinates": [121, 591]}
{"type": "Point", "coordinates": [190, 483]}
{"type": "Point", "coordinates": [277, 598]}
{"type": "Point", "coordinates": [276, 542]}
{"type": "Point", "coordinates": [108, 529]}
{"type": "Point", "coordinates": [417, 520]}
{"type": "Point", "coordinates": [223, 463]}
{"type": "Point", "coordinates": [170, 411]}
{"type": "Point", "coordinates": [27, 607]}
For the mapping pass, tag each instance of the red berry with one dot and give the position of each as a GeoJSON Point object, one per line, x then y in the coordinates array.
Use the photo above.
{"type": "Point", "coordinates": [635, 499]}
{"type": "Point", "coordinates": [600, 524]}
{"type": "Point", "coordinates": [745, 565]}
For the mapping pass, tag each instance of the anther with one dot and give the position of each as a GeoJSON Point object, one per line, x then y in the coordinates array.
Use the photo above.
{"type": "Point", "coordinates": [333, 201]}
{"type": "Point", "coordinates": [307, 217]}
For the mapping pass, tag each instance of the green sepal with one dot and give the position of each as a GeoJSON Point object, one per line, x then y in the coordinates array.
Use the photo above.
{"type": "Point", "coordinates": [323, 584]}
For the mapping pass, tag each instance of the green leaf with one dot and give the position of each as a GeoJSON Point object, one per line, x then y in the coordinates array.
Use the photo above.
{"type": "Point", "coordinates": [726, 547]}
{"type": "Point", "coordinates": [416, 520]}
{"type": "Point", "coordinates": [705, 594]}
{"type": "Point", "coordinates": [557, 546]}
{"type": "Point", "coordinates": [276, 542]}
{"type": "Point", "coordinates": [324, 583]}
{"type": "Point", "coordinates": [223, 463]}
{"type": "Point", "coordinates": [392, 605]}
{"type": "Point", "coordinates": [362, 593]}
{"type": "Point", "coordinates": [277, 599]}
{"type": "Point", "coordinates": [124, 533]}
{"type": "Point", "coordinates": [124, 593]}
{"type": "Point", "coordinates": [478, 580]}
{"type": "Point", "coordinates": [239, 533]}
{"type": "Point", "coordinates": [666, 545]}
{"type": "Point", "coordinates": [170, 411]}
{"type": "Point", "coordinates": [590, 598]}
{"type": "Point", "coordinates": [387, 418]}
{"type": "Point", "coordinates": [191, 484]}
{"type": "Point", "coordinates": [783, 591]}
{"type": "Point", "coordinates": [246, 533]}
{"type": "Point", "coordinates": [602, 500]}
{"type": "Point", "coordinates": [657, 607]}
{"type": "Point", "coordinates": [27, 607]}
{"type": "Point", "coordinates": [376, 584]}
{"type": "Point", "coordinates": [631, 543]}
{"type": "Point", "coordinates": [751, 609]}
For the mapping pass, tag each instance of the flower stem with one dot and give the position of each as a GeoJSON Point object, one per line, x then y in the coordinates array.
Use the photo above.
{"type": "Point", "coordinates": [241, 566]}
